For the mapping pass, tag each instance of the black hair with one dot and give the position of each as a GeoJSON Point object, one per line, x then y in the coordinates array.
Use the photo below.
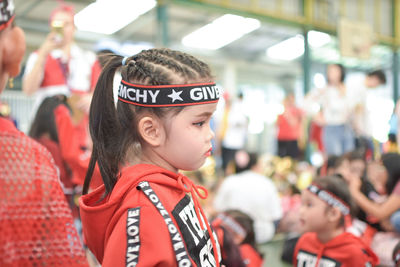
{"type": "Point", "coordinates": [247, 163]}
{"type": "Point", "coordinates": [332, 161]}
{"type": "Point", "coordinates": [103, 56]}
{"type": "Point", "coordinates": [355, 155]}
{"type": "Point", "coordinates": [44, 121]}
{"type": "Point", "coordinates": [248, 225]}
{"type": "Point", "coordinates": [114, 130]}
{"type": "Point", "coordinates": [391, 161]}
{"type": "Point", "coordinates": [338, 187]}
{"type": "Point", "coordinates": [396, 250]}
{"type": "Point", "coordinates": [379, 74]}
{"type": "Point", "coordinates": [342, 71]}
{"type": "Point", "coordinates": [230, 251]}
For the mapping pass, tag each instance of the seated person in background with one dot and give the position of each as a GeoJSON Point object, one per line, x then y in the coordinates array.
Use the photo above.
{"type": "Point", "coordinates": [226, 230]}
{"type": "Point", "coordinates": [252, 193]}
{"type": "Point", "coordinates": [324, 215]}
{"type": "Point", "coordinates": [389, 209]}
{"type": "Point", "coordinates": [44, 130]}
{"type": "Point", "coordinates": [67, 141]}
{"type": "Point", "coordinates": [240, 228]}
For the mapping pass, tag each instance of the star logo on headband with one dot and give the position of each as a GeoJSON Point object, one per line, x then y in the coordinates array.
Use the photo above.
{"type": "Point", "coordinates": [175, 96]}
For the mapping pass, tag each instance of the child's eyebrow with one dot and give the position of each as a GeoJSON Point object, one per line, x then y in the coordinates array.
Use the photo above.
{"type": "Point", "coordinates": [204, 114]}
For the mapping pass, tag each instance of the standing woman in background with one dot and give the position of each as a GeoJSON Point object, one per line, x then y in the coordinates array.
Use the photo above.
{"type": "Point", "coordinates": [336, 108]}
{"type": "Point", "coordinates": [36, 226]}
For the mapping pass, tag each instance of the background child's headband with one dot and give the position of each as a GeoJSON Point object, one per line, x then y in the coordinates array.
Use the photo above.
{"type": "Point", "coordinates": [231, 224]}
{"type": "Point", "coordinates": [329, 198]}
{"type": "Point", "coordinates": [168, 95]}
{"type": "Point", "coordinates": [6, 13]}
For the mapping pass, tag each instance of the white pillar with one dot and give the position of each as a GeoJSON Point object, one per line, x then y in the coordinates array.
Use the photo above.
{"type": "Point", "coordinates": [229, 81]}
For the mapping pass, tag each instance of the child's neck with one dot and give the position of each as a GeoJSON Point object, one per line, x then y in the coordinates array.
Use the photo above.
{"type": "Point", "coordinates": [329, 234]}
{"type": "Point", "coordinates": [149, 157]}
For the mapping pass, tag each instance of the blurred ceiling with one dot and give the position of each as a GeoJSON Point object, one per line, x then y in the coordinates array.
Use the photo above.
{"type": "Point", "coordinates": [247, 53]}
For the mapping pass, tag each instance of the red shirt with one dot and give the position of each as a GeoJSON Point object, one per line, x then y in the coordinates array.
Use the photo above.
{"type": "Point", "coordinates": [289, 124]}
{"type": "Point", "coordinates": [148, 220]}
{"type": "Point", "coordinates": [36, 225]}
{"type": "Point", "coordinates": [345, 250]}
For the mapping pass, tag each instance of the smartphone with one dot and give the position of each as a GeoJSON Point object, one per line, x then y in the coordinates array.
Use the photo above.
{"type": "Point", "coordinates": [57, 26]}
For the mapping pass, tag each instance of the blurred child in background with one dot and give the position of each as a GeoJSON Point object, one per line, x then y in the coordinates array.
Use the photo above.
{"type": "Point", "coordinates": [324, 215]}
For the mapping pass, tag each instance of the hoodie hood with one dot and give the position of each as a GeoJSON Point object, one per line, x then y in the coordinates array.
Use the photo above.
{"type": "Point", "coordinates": [100, 212]}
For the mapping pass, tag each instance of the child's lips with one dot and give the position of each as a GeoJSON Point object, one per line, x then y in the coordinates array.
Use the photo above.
{"type": "Point", "coordinates": [208, 153]}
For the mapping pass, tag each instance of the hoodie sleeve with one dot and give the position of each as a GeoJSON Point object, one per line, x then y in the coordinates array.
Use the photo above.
{"type": "Point", "coordinates": [139, 238]}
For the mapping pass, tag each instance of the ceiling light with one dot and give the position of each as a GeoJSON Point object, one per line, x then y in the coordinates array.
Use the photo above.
{"type": "Point", "coordinates": [109, 16]}
{"type": "Point", "coordinates": [318, 39]}
{"type": "Point", "coordinates": [293, 47]}
{"type": "Point", "coordinates": [221, 32]}
{"type": "Point", "coordinates": [288, 49]}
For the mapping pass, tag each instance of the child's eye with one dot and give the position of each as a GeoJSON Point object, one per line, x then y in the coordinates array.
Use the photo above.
{"type": "Point", "coordinates": [201, 123]}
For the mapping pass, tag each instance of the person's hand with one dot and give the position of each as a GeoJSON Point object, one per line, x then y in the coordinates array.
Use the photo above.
{"type": "Point", "coordinates": [51, 42]}
{"type": "Point", "coordinates": [354, 183]}
{"type": "Point", "coordinates": [84, 103]}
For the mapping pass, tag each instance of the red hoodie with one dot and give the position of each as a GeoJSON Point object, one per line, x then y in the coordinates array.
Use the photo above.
{"type": "Point", "coordinates": [148, 220]}
{"type": "Point", "coordinates": [345, 250]}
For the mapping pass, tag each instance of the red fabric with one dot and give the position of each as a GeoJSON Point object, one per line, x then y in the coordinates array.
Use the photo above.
{"type": "Point", "coordinates": [53, 73]}
{"type": "Point", "coordinates": [289, 124]}
{"type": "Point", "coordinates": [96, 70]}
{"type": "Point", "coordinates": [55, 151]}
{"type": "Point", "coordinates": [72, 139]}
{"type": "Point", "coordinates": [106, 228]}
{"type": "Point", "coordinates": [316, 135]}
{"type": "Point", "coordinates": [250, 256]}
{"type": "Point", "coordinates": [36, 226]}
{"type": "Point", "coordinates": [345, 250]}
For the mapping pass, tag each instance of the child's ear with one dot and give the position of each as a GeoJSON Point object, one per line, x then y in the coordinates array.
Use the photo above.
{"type": "Point", "coordinates": [13, 50]}
{"type": "Point", "coordinates": [151, 130]}
{"type": "Point", "coordinates": [334, 214]}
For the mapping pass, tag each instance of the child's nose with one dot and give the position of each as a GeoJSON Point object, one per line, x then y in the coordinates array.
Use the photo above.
{"type": "Point", "coordinates": [212, 134]}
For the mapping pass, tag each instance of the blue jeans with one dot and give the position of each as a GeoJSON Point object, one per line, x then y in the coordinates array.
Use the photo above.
{"type": "Point", "coordinates": [395, 220]}
{"type": "Point", "coordinates": [338, 139]}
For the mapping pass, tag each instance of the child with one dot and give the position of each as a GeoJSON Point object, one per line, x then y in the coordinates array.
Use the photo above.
{"type": "Point", "coordinates": [143, 215]}
{"type": "Point", "coordinates": [248, 248]}
{"type": "Point", "coordinates": [324, 214]}
{"type": "Point", "coordinates": [228, 232]}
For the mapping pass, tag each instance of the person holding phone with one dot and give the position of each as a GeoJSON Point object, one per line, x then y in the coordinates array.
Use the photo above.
{"type": "Point", "coordinates": [60, 66]}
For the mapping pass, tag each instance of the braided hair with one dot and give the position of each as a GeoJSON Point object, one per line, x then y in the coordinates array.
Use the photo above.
{"type": "Point", "coordinates": [114, 130]}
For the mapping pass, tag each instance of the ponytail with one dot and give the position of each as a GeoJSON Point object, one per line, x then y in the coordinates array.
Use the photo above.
{"type": "Point", "coordinates": [114, 130]}
{"type": "Point", "coordinates": [105, 128]}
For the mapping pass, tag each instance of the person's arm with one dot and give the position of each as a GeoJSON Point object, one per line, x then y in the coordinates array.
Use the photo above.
{"type": "Point", "coordinates": [33, 77]}
{"type": "Point", "coordinates": [379, 211]}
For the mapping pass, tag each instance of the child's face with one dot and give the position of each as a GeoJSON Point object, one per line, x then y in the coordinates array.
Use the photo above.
{"type": "Point", "coordinates": [357, 167]}
{"type": "Point", "coordinates": [312, 213]}
{"type": "Point", "coordinates": [188, 137]}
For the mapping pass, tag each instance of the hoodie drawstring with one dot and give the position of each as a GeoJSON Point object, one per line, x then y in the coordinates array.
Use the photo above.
{"type": "Point", "coordinates": [319, 255]}
{"type": "Point", "coordinates": [189, 187]}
